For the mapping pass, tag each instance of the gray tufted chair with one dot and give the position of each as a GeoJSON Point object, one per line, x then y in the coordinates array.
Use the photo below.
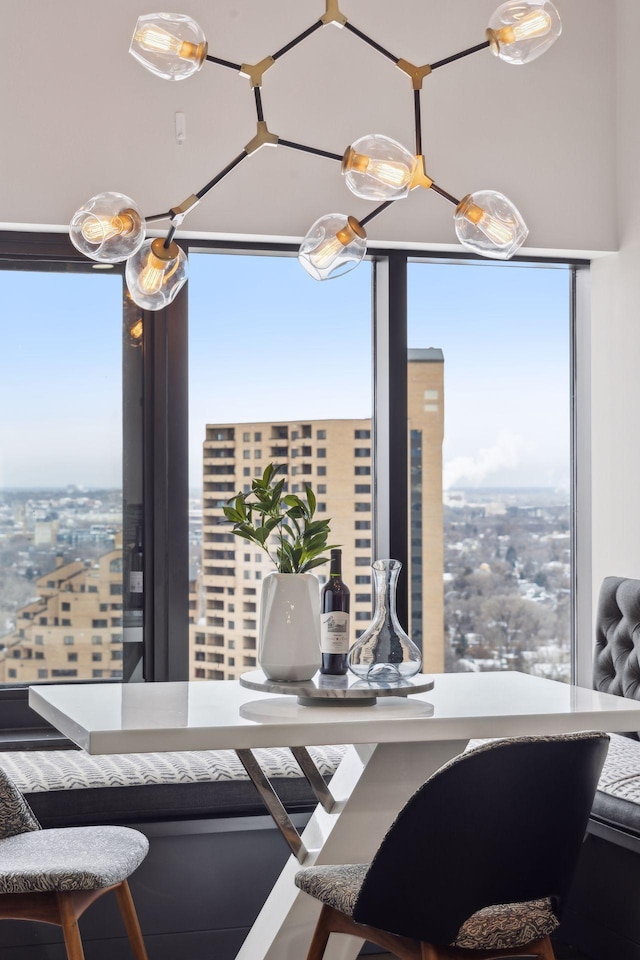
{"type": "Point", "coordinates": [616, 663]}
{"type": "Point", "coordinates": [54, 875]}
{"type": "Point", "coordinates": [480, 859]}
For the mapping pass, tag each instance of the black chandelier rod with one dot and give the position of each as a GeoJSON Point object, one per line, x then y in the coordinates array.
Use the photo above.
{"type": "Point", "coordinates": [459, 56]}
{"type": "Point", "coordinates": [258, 97]}
{"type": "Point", "coordinates": [158, 216]}
{"type": "Point", "coordinates": [274, 56]}
{"type": "Point", "coordinates": [443, 193]}
{"type": "Point", "coordinates": [319, 153]}
{"type": "Point", "coordinates": [170, 235]}
{"type": "Point", "coordinates": [374, 213]}
{"type": "Point", "coordinates": [294, 43]}
{"type": "Point", "coordinates": [418, 121]}
{"type": "Point", "coordinates": [220, 176]}
{"type": "Point", "coordinates": [372, 43]}
{"type": "Point", "coordinates": [224, 63]}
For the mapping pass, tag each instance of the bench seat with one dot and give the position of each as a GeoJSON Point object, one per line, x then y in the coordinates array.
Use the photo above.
{"type": "Point", "coordinates": [72, 788]}
{"type": "Point", "coordinates": [617, 801]}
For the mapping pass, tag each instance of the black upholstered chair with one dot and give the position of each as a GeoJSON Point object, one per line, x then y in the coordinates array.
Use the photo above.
{"type": "Point", "coordinates": [54, 875]}
{"type": "Point", "coordinates": [616, 661]}
{"type": "Point", "coordinates": [480, 858]}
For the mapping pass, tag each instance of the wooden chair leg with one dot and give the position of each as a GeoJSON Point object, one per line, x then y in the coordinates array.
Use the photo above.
{"type": "Point", "coordinates": [320, 936]}
{"type": "Point", "coordinates": [69, 924]}
{"type": "Point", "coordinates": [545, 949]}
{"type": "Point", "coordinates": [428, 951]}
{"type": "Point", "coordinates": [130, 917]}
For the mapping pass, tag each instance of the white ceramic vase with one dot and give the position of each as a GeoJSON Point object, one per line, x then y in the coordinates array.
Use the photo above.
{"type": "Point", "coordinates": [289, 638]}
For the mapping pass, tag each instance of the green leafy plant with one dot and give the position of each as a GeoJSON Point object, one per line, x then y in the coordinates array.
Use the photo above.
{"type": "Point", "coordinates": [282, 525]}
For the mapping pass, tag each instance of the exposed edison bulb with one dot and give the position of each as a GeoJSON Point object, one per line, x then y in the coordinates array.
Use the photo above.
{"type": "Point", "coordinates": [156, 39]}
{"type": "Point", "coordinates": [156, 273]}
{"type": "Point", "coordinates": [521, 30]}
{"type": "Point", "coordinates": [170, 45]}
{"type": "Point", "coordinates": [489, 224]}
{"type": "Point", "coordinates": [497, 231]}
{"type": "Point", "coordinates": [151, 278]}
{"type": "Point", "coordinates": [376, 167]}
{"type": "Point", "coordinates": [333, 245]}
{"type": "Point", "coordinates": [326, 252]}
{"type": "Point", "coordinates": [394, 174]}
{"type": "Point", "coordinates": [97, 229]}
{"type": "Point", "coordinates": [108, 228]}
{"type": "Point", "coordinates": [534, 24]}
{"type": "Point", "coordinates": [153, 274]}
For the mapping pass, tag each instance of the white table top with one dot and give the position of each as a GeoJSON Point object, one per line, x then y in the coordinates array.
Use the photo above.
{"type": "Point", "coordinates": [202, 715]}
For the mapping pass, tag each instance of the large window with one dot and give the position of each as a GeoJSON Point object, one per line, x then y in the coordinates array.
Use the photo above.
{"type": "Point", "coordinates": [279, 371]}
{"type": "Point", "coordinates": [123, 434]}
{"type": "Point", "coordinates": [61, 452]}
{"type": "Point", "coordinates": [489, 407]}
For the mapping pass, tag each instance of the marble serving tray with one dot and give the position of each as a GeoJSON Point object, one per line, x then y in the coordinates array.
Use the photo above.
{"type": "Point", "coordinates": [331, 691]}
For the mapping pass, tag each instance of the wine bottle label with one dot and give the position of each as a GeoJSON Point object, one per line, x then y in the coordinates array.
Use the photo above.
{"type": "Point", "coordinates": [135, 581]}
{"type": "Point", "coordinates": [334, 632]}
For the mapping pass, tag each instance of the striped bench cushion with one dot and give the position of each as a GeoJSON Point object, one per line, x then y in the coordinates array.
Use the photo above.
{"type": "Point", "coordinates": [70, 787]}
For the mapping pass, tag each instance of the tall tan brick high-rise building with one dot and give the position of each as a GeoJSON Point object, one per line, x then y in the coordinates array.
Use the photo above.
{"type": "Point", "coordinates": [425, 411]}
{"type": "Point", "coordinates": [74, 628]}
{"type": "Point", "coordinates": [334, 456]}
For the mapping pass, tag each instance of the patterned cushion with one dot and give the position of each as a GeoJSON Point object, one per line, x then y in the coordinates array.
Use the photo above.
{"type": "Point", "coordinates": [17, 816]}
{"type": "Point", "coordinates": [493, 928]}
{"type": "Point", "coordinates": [42, 771]}
{"type": "Point", "coordinates": [507, 925]}
{"type": "Point", "coordinates": [621, 772]}
{"type": "Point", "coordinates": [73, 858]}
{"type": "Point", "coordinates": [337, 886]}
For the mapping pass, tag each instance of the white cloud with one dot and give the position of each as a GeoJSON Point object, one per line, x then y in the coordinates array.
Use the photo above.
{"type": "Point", "coordinates": [504, 454]}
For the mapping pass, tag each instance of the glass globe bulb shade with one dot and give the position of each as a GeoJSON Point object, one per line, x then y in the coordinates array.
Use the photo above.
{"type": "Point", "coordinates": [334, 245]}
{"type": "Point", "coordinates": [156, 274]}
{"type": "Point", "coordinates": [108, 228]}
{"type": "Point", "coordinates": [171, 45]}
{"type": "Point", "coordinates": [487, 223]}
{"type": "Point", "coordinates": [376, 167]}
{"type": "Point", "coordinates": [522, 30]}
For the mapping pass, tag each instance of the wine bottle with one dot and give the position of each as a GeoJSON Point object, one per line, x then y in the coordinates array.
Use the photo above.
{"type": "Point", "coordinates": [334, 619]}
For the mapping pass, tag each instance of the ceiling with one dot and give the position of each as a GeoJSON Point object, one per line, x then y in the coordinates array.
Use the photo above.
{"type": "Point", "coordinates": [82, 116]}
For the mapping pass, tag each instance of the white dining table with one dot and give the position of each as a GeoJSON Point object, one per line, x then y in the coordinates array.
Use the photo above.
{"type": "Point", "coordinates": [393, 747]}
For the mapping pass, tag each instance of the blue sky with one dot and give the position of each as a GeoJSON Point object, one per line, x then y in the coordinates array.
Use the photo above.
{"type": "Point", "coordinates": [290, 348]}
{"type": "Point", "coordinates": [61, 379]}
{"type": "Point", "coordinates": [268, 342]}
{"type": "Point", "coordinates": [504, 330]}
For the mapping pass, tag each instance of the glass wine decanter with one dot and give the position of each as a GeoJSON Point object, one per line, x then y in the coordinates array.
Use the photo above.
{"type": "Point", "coordinates": [384, 652]}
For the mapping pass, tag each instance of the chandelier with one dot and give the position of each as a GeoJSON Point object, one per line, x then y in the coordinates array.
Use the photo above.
{"type": "Point", "coordinates": [110, 227]}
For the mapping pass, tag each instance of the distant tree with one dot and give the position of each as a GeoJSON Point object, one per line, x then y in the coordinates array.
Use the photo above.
{"type": "Point", "coordinates": [514, 624]}
{"type": "Point", "coordinates": [461, 645]}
